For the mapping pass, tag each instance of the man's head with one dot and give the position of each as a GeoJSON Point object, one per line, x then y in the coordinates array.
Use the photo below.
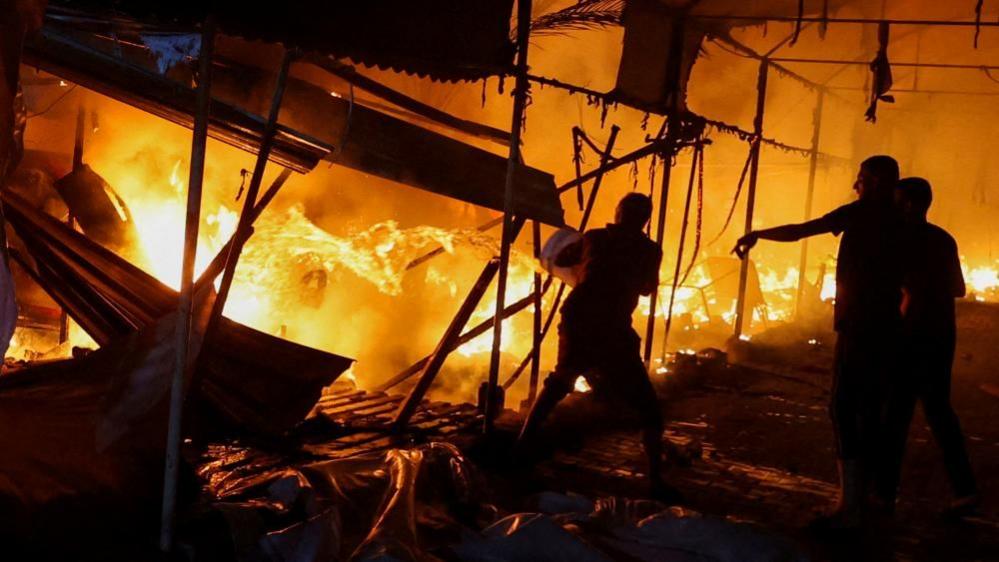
{"type": "Point", "coordinates": [633, 211]}
{"type": "Point", "coordinates": [913, 197]}
{"type": "Point", "coordinates": [877, 178]}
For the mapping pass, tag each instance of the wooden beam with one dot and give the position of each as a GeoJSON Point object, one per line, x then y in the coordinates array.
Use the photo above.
{"type": "Point", "coordinates": [466, 337]}
{"type": "Point", "coordinates": [451, 335]}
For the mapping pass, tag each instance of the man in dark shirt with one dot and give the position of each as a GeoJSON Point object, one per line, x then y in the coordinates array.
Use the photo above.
{"type": "Point", "coordinates": [616, 265]}
{"type": "Point", "coordinates": [867, 320]}
{"type": "Point", "coordinates": [932, 281]}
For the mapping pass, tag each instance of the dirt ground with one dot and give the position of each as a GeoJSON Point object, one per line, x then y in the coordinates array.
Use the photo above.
{"type": "Point", "coordinates": [755, 444]}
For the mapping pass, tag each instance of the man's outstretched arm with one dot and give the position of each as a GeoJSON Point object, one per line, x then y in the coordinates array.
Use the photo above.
{"type": "Point", "coordinates": [784, 233]}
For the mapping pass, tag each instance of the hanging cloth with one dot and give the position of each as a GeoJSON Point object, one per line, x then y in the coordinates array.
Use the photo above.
{"type": "Point", "coordinates": [798, 21]}
{"type": "Point", "coordinates": [978, 20]}
{"type": "Point", "coordinates": [881, 72]}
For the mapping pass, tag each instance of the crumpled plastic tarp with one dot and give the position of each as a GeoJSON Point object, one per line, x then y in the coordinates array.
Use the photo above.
{"type": "Point", "coordinates": [428, 504]}
{"type": "Point", "coordinates": [573, 528]}
{"type": "Point", "coordinates": [402, 504]}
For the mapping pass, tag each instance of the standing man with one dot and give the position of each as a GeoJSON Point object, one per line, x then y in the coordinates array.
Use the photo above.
{"type": "Point", "coordinates": [932, 281]}
{"type": "Point", "coordinates": [867, 321]}
{"type": "Point", "coordinates": [616, 265]}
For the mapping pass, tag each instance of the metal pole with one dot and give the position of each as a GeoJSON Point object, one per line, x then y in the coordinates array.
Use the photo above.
{"type": "Point", "coordinates": [185, 303]}
{"type": "Point", "coordinates": [754, 170]}
{"type": "Point", "coordinates": [80, 138]}
{"type": "Point", "coordinates": [679, 252]}
{"type": "Point", "coordinates": [813, 162]}
{"type": "Point", "coordinates": [532, 388]}
{"type": "Point", "coordinates": [519, 105]}
{"type": "Point", "coordinates": [250, 197]}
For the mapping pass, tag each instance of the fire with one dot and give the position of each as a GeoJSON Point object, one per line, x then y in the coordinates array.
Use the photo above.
{"type": "Point", "coordinates": [581, 385]}
{"type": "Point", "coordinates": [982, 281]}
{"type": "Point", "coordinates": [287, 263]}
{"type": "Point", "coordinates": [520, 284]}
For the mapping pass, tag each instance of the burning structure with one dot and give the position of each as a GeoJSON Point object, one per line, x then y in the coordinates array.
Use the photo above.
{"type": "Point", "coordinates": [354, 187]}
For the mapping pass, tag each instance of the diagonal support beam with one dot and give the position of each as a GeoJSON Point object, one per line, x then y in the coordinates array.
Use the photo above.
{"type": "Point", "coordinates": [250, 198]}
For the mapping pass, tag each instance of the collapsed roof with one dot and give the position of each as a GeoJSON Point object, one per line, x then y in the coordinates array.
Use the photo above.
{"type": "Point", "coordinates": [440, 39]}
{"type": "Point", "coordinates": [107, 54]}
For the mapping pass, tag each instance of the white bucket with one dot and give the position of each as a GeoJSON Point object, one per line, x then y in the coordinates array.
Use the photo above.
{"type": "Point", "coordinates": [558, 241]}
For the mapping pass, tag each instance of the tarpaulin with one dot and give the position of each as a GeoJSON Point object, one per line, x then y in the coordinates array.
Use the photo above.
{"type": "Point", "coordinates": [428, 504]}
{"type": "Point", "coordinates": [82, 441]}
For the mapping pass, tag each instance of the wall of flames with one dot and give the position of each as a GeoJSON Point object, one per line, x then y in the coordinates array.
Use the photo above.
{"type": "Point", "coordinates": [327, 263]}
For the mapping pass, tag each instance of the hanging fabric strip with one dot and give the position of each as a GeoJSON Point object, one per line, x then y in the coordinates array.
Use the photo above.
{"type": "Point", "coordinates": [577, 161]}
{"type": "Point", "coordinates": [699, 221]}
{"type": "Point", "coordinates": [978, 20]}
{"type": "Point", "coordinates": [797, 23]}
{"type": "Point", "coordinates": [824, 24]}
{"type": "Point", "coordinates": [881, 73]}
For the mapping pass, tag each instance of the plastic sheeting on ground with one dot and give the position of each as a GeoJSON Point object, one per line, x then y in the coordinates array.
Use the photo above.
{"type": "Point", "coordinates": [428, 504]}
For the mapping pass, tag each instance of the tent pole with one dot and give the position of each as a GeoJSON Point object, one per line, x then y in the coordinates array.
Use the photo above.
{"type": "Point", "coordinates": [754, 170]}
{"type": "Point", "coordinates": [185, 304]}
{"type": "Point", "coordinates": [506, 239]}
{"type": "Point", "coordinates": [813, 162]}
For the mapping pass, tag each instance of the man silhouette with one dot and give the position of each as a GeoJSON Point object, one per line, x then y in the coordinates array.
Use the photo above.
{"type": "Point", "coordinates": [932, 281]}
{"type": "Point", "coordinates": [616, 265]}
{"type": "Point", "coordinates": [867, 321]}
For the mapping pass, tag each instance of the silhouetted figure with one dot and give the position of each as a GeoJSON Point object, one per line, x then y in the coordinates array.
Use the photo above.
{"type": "Point", "coordinates": [932, 281]}
{"type": "Point", "coordinates": [617, 264]}
{"type": "Point", "coordinates": [867, 321]}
